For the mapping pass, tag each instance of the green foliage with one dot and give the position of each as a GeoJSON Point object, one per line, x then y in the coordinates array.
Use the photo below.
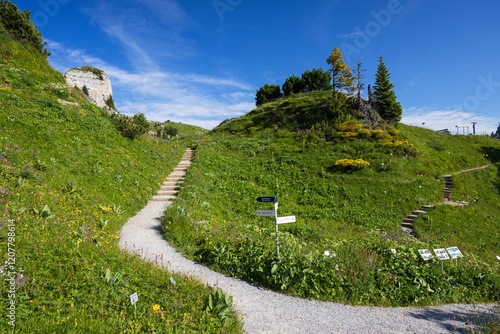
{"type": "Point", "coordinates": [341, 73]}
{"type": "Point", "coordinates": [64, 259]}
{"type": "Point", "coordinates": [109, 102]}
{"type": "Point", "coordinates": [131, 127]}
{"type": "Point", "coordinates": [293, 85]}
{"type": "Point", "coordinates": [385, 98]}
{"type": "Point", "coordinates": [267, 93]}
{"type": "Point", "coordinates": [85, 90]}
{"type": "Point", "coordinates": [316, 80]}
{"type": "Point", "coordinates": [20, 26]}
{"type": "Point", "coordinates": [219, 305]}
{"type": "Point", "coordinates": [497, 133]}
{"type": "Point", "coordinates": [355, 216]}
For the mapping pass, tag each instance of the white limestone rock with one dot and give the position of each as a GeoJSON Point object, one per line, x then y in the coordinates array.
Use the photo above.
{"type": "Point", "coordinates": [95, 80]}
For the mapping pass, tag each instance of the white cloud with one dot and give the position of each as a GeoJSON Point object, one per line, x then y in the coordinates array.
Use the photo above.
{"type": "Point", "coordinates": [448, 119]}
{"type": "Point", "coordinates": [161, 95]}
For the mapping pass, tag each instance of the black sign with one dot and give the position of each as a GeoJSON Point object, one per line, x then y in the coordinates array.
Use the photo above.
{"type": "Point", "coordinates": [273, 199]}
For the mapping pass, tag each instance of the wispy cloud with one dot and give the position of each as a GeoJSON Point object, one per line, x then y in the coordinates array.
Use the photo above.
{"type": "Point", "coordinates": [191, 98]}
{"type": "Point", "coordinates": [448, 119]}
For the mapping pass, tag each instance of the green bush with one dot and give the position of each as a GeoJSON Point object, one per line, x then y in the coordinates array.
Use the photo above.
{"type": "Point", "coordinates": [20, 26]}
{"type": "Point", "coordinates": [267, 93]}
{"type": "Point", "coordinates": [131, 126]}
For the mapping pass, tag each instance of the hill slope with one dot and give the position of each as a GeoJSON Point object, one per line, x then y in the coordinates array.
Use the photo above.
{"type": "Point", "coordinates": [68, 182]}
{"type": "Point", "coordinates": [350, 188]}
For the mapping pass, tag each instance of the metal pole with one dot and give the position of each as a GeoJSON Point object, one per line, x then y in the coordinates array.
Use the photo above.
{"type": "Point", "coordinates": [276, 223]}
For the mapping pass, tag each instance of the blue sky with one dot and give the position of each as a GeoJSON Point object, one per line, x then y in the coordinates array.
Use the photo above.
{"type": "Point", "coordinates": [200, 62]}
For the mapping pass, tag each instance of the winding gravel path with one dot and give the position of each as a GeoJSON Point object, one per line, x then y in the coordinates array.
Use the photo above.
{"type": "Point", "coordinates": [266, 311]}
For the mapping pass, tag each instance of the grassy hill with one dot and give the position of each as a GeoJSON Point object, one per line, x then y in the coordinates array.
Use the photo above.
{"type": "Point", "coordinates": [68, 182]}
{"type": "Point", "coordinates": [350, 187]}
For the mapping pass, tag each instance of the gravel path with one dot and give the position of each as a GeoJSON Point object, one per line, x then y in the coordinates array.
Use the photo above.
{"type": "Point", "coordinates": [266, 311]}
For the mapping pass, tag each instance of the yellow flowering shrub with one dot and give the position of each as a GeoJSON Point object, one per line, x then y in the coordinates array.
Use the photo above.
{"type": "Point", "coordinates": [350, 126]}
{"type": "Point", "coordinates": [351, 164]}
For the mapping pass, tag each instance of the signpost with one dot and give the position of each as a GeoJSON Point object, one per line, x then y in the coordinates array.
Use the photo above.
{"type": "Point", "coordinates": [134, 298]}
{"type": "Point", "coordinates": [455, 254]}
{"type": "Point", "coordinates": [426, 254]}
{"type": "Point", "coordinates": [442, 255]}
{"type": "Point", "coordinates": [274, 213]}
{"type": "Point", "coordinates": [288, 219]}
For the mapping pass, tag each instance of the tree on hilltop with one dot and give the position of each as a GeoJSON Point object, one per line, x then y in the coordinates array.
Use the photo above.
{"type": "Point", "coordinates": [267, 93]}
{"type": "Point", "coordinates": [342, 79]}
{"type": "Point", "coordinates": [316, 80]}
{"type": "Point", "coordinates": [385, 98]}
{"type": "Point", "coordinates": [497, 134]}
{"type": "Point", "coordinates": [293, 84]}
{"type": "Point", "coordinates": [20, 26]}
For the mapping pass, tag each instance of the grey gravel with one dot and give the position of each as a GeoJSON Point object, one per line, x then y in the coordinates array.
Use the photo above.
{"type": "Point", "coordinates": [265, 311]}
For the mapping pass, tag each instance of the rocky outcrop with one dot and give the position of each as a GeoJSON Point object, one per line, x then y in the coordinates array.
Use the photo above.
{"type": "Point", "coordinates": [94, 83]}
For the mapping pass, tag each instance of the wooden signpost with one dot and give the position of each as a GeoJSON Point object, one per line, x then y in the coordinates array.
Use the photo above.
{"type": "Point", "coordinates": [274, 213]}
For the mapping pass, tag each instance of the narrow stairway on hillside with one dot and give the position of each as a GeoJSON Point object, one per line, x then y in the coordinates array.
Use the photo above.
{"type": "Point", "coordinates": [170, 187]}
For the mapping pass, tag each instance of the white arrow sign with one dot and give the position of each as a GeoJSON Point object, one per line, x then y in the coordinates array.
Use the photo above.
{"type": "Point", "coordinates": [288, 219]}
{"type": "Point", "coordinates": [266, 213]}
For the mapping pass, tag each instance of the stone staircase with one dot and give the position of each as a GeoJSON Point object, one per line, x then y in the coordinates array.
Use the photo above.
{"type": "Point", "coordinates": [407, 224]}
{"type": "Point", "coordinates": [170, 187]}
{"type": "Point", "coordinates": [448, 186]}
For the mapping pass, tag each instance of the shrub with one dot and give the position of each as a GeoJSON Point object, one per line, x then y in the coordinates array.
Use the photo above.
{"type": "Point", "coordinates": [21, 27]}
{"type": "Point", "coordinates": [293, 84]}
{"type": "Point", "coordinates": [110, 103]}
{"type": "Point", "coordinates": [351, 164]}
{"type": "Point", "coordinates": [131, 126]}
{"type": "Point", "coordinates": [267, 93]}
{"type": "Point", "coordinates": [350, 126]}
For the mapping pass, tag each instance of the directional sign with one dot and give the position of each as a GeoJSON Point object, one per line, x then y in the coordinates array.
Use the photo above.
{"type": "Point", "coordinates": [441, 254]}
{"type": "Point", "coordinates": [288, 219]}
{"type": "Point", "coordinates": [273, 199]}
{"type": "Point", "coordinates": [454, 252]}
{"type": "Point", "coordinates": [266, 213]}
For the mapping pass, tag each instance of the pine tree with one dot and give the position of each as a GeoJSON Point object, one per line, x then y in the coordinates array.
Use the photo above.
{"type": "Point", "coordinates": [385, 99]}
{"type": "Point", "coordinates": [497, 134]}
{"type": "Point", "coordinates": [341, 73]}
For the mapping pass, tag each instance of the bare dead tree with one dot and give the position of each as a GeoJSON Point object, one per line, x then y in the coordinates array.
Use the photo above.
{"type": "Point", "coordinates": [359, 78]}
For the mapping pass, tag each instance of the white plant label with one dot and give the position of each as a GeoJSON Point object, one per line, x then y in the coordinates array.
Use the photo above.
{"type": "Point", "coordinates": [441, 254]}
{"type": "Point", "coordinates": [172, 280]}
{"type": "Point", "coordinates": [426, 254]}
{"type": "Point", "coordinates": [134, 298]}
{"type": "Point", "coordinates": [454, 252]}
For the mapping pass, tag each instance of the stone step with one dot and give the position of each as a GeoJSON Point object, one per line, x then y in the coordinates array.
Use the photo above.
{"type": "Point", "coordinates": [166, 193]}
{"type": "Point", "coordinates": [412, 216]}
{"type": "Point", "coordinates": [407, 225]}
{"type": "Point", "coordinates": [164, 197]}
{"type": "Point", "coordinates": [426, 207]}
{"type": "Point", "coordinates": [169, 187]}
{"type": "Point", "coordinates": [418, 212]}
{"type": "Point", "coordinates": [407, 230]}
{"type": "Point", "coordinates": [408, 221]}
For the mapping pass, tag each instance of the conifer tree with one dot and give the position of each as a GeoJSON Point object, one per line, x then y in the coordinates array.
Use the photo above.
{"type": "Point", "coordinates": [385, 99]}
{"type": "Point", "coordinates": [341, 73]}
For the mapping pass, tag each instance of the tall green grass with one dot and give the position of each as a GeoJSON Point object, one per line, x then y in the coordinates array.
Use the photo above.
{"type": "Point", "coordinates": [355, 214]}
{"type": "Point", "coordinates": [68, 182]}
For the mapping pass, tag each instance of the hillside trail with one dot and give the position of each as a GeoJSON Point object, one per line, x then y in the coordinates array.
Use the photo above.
{"type": "Point", "coordinates": [407, 224]}
{"type": "Point", "coordinates": [265, 311]}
